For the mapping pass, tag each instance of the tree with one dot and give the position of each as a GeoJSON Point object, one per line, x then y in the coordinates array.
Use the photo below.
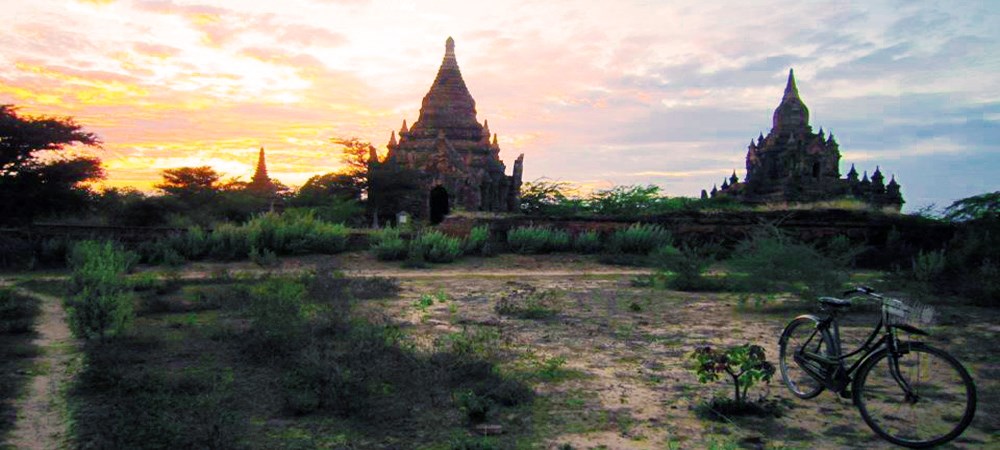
{"type": "Point", "coordinates": [978, 207]}
{"type": "Point", "coordinates": [30, 186]}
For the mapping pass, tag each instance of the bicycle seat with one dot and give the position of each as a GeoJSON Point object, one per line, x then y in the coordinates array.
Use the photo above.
{"type": "Point", "coordinates": [835, 302]}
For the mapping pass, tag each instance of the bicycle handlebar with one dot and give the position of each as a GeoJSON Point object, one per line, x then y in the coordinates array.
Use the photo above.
{"type": "Point", "coordinates": [863, 290]}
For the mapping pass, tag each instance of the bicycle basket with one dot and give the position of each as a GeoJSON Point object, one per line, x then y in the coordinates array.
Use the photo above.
{"type": "Point", "coordinates": [909, 312]}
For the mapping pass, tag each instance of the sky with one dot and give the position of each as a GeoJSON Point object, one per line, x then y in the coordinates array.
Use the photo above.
{"type": "Point", "coordinates": [596, 93]}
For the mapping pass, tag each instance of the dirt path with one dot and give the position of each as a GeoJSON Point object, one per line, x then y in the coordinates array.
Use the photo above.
{"type": "Point", "coordinates": [40, 423]}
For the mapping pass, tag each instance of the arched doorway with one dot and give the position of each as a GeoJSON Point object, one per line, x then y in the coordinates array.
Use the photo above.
{"type": "Point", "coordinates": [816, 170]}
{"type": "Point", "coordinates": [438, 204]}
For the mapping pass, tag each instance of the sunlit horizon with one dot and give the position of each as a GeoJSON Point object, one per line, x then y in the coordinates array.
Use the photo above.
{"type": "Point", "coordinates": [592, 93]}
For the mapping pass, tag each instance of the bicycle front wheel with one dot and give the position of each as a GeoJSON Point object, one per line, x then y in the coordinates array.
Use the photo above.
{"type": "Point", "coordinates": [941, 406]}
{"type": "Point", "coordinates": [802, 334]}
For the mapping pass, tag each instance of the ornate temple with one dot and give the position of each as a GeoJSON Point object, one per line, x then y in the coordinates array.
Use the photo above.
{"type": "Point", "coordinates": [793, 164]}
{"type": "Point", "coordinates": [261, 184]}
{"type": "Point", "coordinates": [453, 160]}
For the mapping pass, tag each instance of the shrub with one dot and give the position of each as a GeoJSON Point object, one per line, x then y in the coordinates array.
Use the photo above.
{"type": "Point", "coordinates": [477, 243]}
{"type": "Point", "coordinates": [102, 303]}
{"type": "Point", "coordinates": [745, 364]}
{"type": "Point", "coordinates": [388, 245]}
{"type": "Point", "coordinates": [770, 262]}
{"type": "Point", "coordinates": [436, 247]}
{"type": "Point", "coordinates": [587, 242]}
{"type": "Point", "coordinates": [639, 239]}
{"type": "Point", "coordinates": [265, 258]}
{"type": "Point", "coordinates": [686, 265]}
{"type": "Point", "coordinates": [537, 240]}
{"type": "Point", "coordinates": [17, 313]}
{"type": "Point", "coordinates": [277, 314]}
{"type": "Point", "coordinates": [928, 266]}
{"type": "Point", "coordinates": [476, 407]}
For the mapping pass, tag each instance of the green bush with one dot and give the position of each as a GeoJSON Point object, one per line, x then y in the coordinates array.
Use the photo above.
{"type": "Point", "coordinates": [639, 239]}
{"type": "Point", "coordinates": [534, 240]}
{"type": "Point", "coordinates": [771, 262]}
{"type": "Point", "coordinates": [686, 267]}
{"type": "Point", "coordinates": [277, 314]}
{"type": "Point", "coordinates": [435, 247]}
{"type": "Point", "coordinates": [388, 245]}
{"type": "Point", "coordinates": [102, 303]}
{"type": "Point", "coordinates": [17, 313]}
{"type": "Point", "coordinates": [588, 242]}
{"type": "Point", "coordinates": [929, 266]}
{"type": "Point", "coordinates": [477, 243]}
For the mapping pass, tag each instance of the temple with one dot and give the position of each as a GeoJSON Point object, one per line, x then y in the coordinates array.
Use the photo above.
{"type": "Point", "coordinates": [261, 184]}
{"type": "Point", "coordinates": [794, 164]}
{"type": "Point", "coordinates": [453, 159]}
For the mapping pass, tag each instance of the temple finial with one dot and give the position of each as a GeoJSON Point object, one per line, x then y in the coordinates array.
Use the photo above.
{"type": "Point", "coordinates": [449, 47]}
{"type": "Point", "coordinates": [392, 139]}
{"type": "Point", "coordinates": [790, 89]}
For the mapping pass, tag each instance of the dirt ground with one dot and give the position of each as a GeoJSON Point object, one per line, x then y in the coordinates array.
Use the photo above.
{"type": "Point", "coordinates": [623, 372]}
{"type": "Point", "coordinates": [41, 413]}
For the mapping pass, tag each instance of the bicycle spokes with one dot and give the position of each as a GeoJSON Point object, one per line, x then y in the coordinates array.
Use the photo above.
{"type": "Point", "coordinates": [918, 396]}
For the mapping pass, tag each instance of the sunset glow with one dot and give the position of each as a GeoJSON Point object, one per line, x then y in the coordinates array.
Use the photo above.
{"type": "Point", "coordinates": [596, 93]}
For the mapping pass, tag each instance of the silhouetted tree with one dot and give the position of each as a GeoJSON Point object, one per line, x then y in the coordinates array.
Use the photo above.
{"type": "Point", "coordinates": [31, 187]}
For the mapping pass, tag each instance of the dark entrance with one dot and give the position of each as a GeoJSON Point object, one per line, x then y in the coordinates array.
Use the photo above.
{"type": "Point", "coordinates": [439, 204]}
{"type": "Point", "coordinates": [816, 170]}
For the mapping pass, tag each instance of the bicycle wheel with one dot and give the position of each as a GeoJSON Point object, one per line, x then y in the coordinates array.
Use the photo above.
{"type": "Point", "coordinates": [943, 407]}
{"type": "Point", "coordinates": [802, 334]}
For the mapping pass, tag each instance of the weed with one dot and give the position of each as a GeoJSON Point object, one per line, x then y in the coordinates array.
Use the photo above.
{"type": "Point", "coordinates": [263, 258]}
{"type": "Point", "coordinates": [525, 302]}
{"type": "Point", "coordinates": [425, 301]}
{"type": "Point", "coordinates": [553, 369]}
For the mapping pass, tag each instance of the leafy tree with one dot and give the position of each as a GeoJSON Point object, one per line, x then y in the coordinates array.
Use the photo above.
{"type": "Point", "coordinates": [319, 189]}
{"type": "Point", "coordinates": [982, 206]}
{"type": "Point", "coordinates": [548, 198]}
{"type": "Point", "coordinates": [188, 183]}
{"type": "Point", "coordinates": [31, 186]}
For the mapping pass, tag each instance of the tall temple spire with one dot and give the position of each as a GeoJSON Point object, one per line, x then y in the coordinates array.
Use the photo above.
{"type": "Point", "coordinates": [790, 89]}
{"type": "Point", "coordinates": [260, 175]}
{"type": "Point", "coordinates": [448, 104]}
{"type": "Point", "coordinates": [791, 115]}
{"type": "Point", "coordinates": [260, 183]}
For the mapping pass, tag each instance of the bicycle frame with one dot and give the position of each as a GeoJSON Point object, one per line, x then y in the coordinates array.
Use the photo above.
{"type": "Point", "coordinates": [838, 379]}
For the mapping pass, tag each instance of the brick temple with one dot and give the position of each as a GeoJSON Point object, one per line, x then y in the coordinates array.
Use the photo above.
{"type": "Point", "coordinates": [454, 160]}
{"type": "Point", "coordinates": [794, 164]}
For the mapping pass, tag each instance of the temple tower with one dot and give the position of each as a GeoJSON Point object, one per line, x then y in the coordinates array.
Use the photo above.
{"type": "Point", "coordinates": [449, 153]}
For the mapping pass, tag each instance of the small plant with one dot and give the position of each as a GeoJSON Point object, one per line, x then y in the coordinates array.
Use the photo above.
{"type": "Point", "coordinates": [640, 239]}
{"type": "Point", "coordinates": [388, 245]}
{"type": "Point", "coordinates": [686, 267]}
{"type": "Point", "coordinates": [475, 407]}
{"type": "Point", "coordinates": [425, 301]}
{"type": "Point", "coordinates": [745, 364]}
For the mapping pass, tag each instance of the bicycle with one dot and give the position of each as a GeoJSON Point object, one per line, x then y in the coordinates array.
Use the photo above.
{"type": "Point", "coordinates": [909, 393]}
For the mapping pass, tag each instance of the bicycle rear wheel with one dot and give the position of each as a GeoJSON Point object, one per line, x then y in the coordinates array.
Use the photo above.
{"type": "Point", "coordinates": [802, 334]}
{"type": "Point", "coordinates": [943, 407]}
